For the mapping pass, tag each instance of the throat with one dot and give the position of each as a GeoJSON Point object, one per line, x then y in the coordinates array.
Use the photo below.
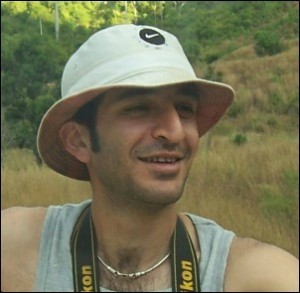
{"type": "Point", "coordinates": [133, 274]}
{"type": "Point", "coordinates": [123, 260]}
{"type": "Point", "coordinates": [158, 279]}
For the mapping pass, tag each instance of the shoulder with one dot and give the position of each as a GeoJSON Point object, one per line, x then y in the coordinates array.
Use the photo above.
{"type": "Point", "coordinates": [254, 266]}
{"type": "Point", "coordinates": [20, 223]}
{"type": "Point", "coordinates": [20, 237]}
{"type": "Point", "coordinates": [17, 212]}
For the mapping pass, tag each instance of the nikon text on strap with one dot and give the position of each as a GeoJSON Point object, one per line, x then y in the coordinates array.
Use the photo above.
{"type": "Point", "coordinates": [184, 267]}
{"type": "Point", "coordinates": [185, 270]}
{"type": "Point", "coordinates": [83, 248]}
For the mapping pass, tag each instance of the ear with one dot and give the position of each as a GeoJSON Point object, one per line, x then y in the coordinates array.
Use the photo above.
{"type": "Point", "coordinates": [75, 139]}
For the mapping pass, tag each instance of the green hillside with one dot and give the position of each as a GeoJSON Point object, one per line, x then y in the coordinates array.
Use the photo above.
{"type": "Point", "coordinates": [252, 45]}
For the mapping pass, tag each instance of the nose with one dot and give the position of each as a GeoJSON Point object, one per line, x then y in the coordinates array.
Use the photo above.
{"type": "Point", "coordinates": [168, 125]}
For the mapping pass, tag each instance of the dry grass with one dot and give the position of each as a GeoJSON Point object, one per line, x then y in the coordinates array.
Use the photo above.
{"type": "Point", "coordinates": [245, 188]}
{"type": "Point", "coordinates": [268, 85]}
{"type": "Point", "coordinates": [26, 184]}
{"type": "Point", "coordinates": [237, 186]}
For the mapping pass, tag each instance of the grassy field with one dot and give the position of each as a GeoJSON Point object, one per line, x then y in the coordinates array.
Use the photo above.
{"type": "Point", "coordinates": [250, 187]}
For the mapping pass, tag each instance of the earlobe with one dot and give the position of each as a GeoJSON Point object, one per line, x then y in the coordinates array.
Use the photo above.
{"type": "Point", "coordinates": [75, 141]}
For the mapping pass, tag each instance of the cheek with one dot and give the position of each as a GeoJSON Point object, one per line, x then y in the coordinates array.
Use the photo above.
{"type": "Point", "coordinates": [192, 138]}
{"type": "Point", "coordinates": [117, 141]}
{"type": "Point", "coordinates": [131, 134]}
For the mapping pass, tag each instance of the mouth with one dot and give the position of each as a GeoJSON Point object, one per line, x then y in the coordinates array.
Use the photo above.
{"type": "Point", "coordinates": [163, 165]}
{"type": "Point", "coordinates": [162, 158]}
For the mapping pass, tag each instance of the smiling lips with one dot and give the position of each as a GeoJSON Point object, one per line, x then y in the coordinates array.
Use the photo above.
{"type": "Point", "coordinates": [162, 158]}
{"type": "Point", "coordinates": [163, 164]}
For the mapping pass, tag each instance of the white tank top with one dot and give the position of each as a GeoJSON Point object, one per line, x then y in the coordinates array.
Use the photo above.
{"type": "Point", "coordinates": [54, 270]}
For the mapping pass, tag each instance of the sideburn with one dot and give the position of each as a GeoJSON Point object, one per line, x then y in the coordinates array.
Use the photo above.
{"type": "Point", "coordinates": [87, 116]}
{"type": "Point", "coordinates": [95, 144]}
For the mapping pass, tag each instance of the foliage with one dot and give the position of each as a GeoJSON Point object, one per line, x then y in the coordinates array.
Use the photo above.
{"type": "Point", "coordinates": [267, 43]}
{"type": "Point", "coordinates": [32, 60]}
{"type": "Point", "coordinates": [239, 139]}
{"type": "Point", "coordinates": [235, 110]}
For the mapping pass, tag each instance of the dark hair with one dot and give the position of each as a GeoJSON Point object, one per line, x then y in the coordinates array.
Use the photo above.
{"type": "Point", "coordinates": [87, 116]}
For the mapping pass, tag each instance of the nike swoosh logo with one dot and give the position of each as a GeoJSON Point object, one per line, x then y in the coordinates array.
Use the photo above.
{"type": "Point", "coordinates": [147, 36]}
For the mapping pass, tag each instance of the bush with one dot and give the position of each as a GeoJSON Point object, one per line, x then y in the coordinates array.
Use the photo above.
{"type": "Point", "coordinates": [267, 43]}
{"type": "Point", "coordinates": [235, 110]}
{"type": "Point", "coordinates": [239, 139]}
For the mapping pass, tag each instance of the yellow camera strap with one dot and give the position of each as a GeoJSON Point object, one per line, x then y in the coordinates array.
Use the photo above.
{"type": "Point", "coordinates": [184, 266]}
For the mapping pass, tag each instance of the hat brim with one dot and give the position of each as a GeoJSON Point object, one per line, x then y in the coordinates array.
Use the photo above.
{"type": "Point", "coordinates": [214, 99]}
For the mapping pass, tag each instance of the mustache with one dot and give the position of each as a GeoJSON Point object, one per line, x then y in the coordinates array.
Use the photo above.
{"type": "Point", "coordinates": [156, 147]}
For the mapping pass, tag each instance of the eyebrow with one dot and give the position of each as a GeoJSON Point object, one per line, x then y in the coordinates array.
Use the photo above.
{"type": "Point", "coordinates": [132, 93]}
{"type": "Point", "coordinates": [189, 90]}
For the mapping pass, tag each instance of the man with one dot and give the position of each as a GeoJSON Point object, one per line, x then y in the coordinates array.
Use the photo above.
{"type": "Point", "coordinates": [129, 120]}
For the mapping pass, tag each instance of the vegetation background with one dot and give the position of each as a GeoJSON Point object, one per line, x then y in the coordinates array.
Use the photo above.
{"type": "Point", "coordinates": [246, 174]}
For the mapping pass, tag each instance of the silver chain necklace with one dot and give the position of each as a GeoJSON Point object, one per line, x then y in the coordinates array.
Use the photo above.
{"type": "Point", "coordinates": [132, 275]}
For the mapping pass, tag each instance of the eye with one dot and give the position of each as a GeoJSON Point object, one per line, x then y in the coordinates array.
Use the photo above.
{"type": "Point", "coordinates": [139, 108]}
{"type": "Point", "coordinates": [186, 110]}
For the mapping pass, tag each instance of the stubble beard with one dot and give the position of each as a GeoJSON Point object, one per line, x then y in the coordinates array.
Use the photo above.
{"type": "Point", "coordinates": [123, 187]}
{"type": "Point", "coordinates": [127, 192]}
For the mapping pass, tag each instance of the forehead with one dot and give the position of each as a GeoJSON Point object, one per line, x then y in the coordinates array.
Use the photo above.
{"type": "Point", "coordinates": [190, 91]}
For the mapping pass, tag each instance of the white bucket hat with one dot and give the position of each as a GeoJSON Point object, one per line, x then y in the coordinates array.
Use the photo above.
{"type": "Point", "coordinates": [123, 56]}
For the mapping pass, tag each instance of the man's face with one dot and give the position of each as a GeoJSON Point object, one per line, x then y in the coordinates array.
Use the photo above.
{"type": "Point", "coordinates": [147, 140]}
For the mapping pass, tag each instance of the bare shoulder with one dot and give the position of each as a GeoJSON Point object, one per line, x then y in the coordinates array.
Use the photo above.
{"type": "Point", "coordinates": [255, 266]}
{"type": "Point", "coordinates": [21, 225]}
{"type": "Point", "coordinates": [20, 237]}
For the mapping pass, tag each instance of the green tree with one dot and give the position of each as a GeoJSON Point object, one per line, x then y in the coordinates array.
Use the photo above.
{"type": "Point", "coordinates": [32, 60]}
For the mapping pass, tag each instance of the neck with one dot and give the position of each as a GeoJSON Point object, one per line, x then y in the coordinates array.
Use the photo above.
{"type": "Point", "coordinates": [132, 238]}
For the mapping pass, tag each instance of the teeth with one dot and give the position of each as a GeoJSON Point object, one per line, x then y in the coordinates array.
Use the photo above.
{"type": "Point", "coordinates": [171, 160]}
{"type": "Point", "coordinates": [161, 160]}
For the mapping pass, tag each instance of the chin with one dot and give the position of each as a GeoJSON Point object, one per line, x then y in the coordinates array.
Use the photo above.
{"type": "Point", "coordinates": [161, 196]}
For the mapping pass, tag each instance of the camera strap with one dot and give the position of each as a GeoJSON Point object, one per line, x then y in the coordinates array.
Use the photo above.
{"type": "Point", "coordinates": [184, 264]}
